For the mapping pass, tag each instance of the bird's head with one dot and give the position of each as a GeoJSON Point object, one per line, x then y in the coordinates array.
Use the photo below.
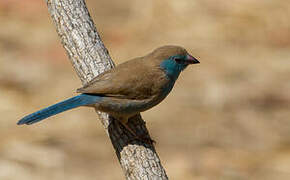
{"type": "Point", "coordinates": [173, 59]}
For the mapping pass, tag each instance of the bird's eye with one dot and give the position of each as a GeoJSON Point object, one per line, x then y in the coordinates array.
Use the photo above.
{"type": "Point", "coordinates": [178, 60]}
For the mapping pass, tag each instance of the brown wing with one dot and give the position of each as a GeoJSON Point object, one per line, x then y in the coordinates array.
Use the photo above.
{"type": "Point", "coordinates": [134, 79]}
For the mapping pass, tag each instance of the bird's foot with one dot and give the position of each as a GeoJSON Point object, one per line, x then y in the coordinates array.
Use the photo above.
{"type": "Point", "coordinates": [144, 138]}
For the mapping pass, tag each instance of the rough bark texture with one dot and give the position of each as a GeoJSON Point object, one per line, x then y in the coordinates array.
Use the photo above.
{"type": "Point", "coordinates": [89, 57]}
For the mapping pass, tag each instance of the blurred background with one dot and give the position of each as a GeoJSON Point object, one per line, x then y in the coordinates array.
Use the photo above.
{"type": "Point", "coordinates": [227, 118]}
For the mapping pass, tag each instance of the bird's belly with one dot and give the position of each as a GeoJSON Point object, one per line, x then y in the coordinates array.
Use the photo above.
{"type": "Point", "coordinates": [129, 107]}
{"type": "Point", "coordinates": [124, 107]}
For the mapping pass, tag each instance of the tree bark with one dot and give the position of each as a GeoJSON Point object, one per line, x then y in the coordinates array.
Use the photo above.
{"type": "Point", "coordinates": [89, 58]}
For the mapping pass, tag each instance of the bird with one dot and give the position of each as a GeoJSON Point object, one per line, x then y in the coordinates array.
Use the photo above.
{"type": "Point", "coordinates": [128, 89]}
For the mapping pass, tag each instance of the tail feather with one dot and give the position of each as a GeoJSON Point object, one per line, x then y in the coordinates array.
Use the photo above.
{"type": "Point", "coordinates": [76, 101]}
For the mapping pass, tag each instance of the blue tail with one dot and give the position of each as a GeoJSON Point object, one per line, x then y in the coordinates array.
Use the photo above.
{"type": "Point", "coordinates": [80, 100]}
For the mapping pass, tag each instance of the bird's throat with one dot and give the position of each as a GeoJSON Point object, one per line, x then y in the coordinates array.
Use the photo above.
{"type": "Point", "coordinates": [171, 68]}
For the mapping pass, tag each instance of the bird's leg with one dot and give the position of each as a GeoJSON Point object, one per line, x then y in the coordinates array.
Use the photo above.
{"type": "Point", "coordinates": [143, 139]}
{"type": "Point", "coordinates": [128, 128]}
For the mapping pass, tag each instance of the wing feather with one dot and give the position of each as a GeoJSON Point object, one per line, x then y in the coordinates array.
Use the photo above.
{"type": "Point", "coordinates": [126, 82]}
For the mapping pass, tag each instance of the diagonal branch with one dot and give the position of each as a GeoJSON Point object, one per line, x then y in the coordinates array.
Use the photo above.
{"type": "Point", "coordinates": [89, 58]}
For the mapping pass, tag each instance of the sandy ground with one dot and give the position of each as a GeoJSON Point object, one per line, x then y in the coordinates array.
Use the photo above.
{"type": "Point", "coordinates": [227, 118]}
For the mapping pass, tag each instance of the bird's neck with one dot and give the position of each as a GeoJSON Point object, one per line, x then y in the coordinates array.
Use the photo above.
{"type": "Point", "coordinates": [172, 69]}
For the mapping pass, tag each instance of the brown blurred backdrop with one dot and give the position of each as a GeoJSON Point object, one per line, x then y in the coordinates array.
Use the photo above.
{"type": "Point", "coordinates": [227, 118]}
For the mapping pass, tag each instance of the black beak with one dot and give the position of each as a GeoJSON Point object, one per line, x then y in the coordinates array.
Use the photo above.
{"type": "Point", "coordinates": [191, 60]}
